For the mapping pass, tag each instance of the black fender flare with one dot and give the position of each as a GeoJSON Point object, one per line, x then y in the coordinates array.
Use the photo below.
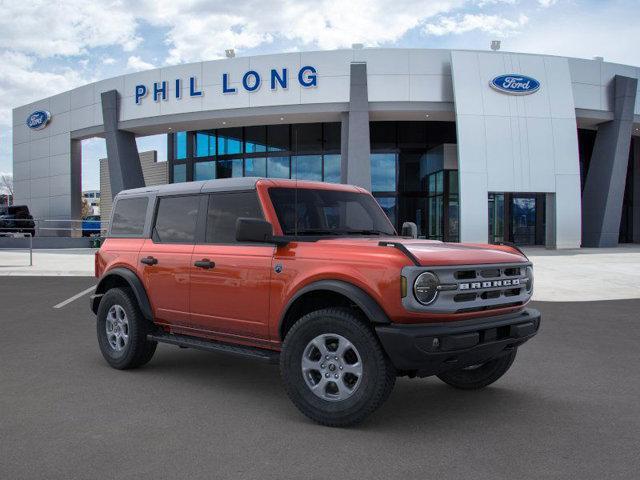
{"type": "Point", "coordinates": [134, 283]}
{"type": "Point", "coordinates": [372, 310]}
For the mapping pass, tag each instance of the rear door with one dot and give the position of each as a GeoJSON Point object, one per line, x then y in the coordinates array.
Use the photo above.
{"type": "Point", "coordinates": [165, 258]}
{"type": "Point", "coordinates": [230, 280]}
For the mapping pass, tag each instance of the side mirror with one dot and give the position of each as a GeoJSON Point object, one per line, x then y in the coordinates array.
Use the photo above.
{"type": "Point", "coordinates": [409, 229]}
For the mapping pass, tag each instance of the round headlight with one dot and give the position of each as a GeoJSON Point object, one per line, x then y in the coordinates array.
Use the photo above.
{"type": "Point", "coordinates": [425, 288]}
{"type": "Point", "coordinates": [529, 280]}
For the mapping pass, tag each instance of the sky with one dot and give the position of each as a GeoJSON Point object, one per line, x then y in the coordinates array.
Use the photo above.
{"type": "Point", "coordinates": [48, 47]}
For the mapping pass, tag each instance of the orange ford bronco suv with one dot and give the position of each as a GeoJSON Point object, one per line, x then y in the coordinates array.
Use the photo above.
{"type": "Point", "coordinates": [312, 275]}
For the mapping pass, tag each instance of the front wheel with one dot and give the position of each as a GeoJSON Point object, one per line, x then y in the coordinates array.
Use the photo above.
{"type": "Point", "coordinates": [479, 376]}
{"type": "Point", "coordinates": [334, 369]}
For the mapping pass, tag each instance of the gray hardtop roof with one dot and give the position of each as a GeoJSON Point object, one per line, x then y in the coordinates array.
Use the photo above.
{"type": "Point", "coordinates": [205, 186]}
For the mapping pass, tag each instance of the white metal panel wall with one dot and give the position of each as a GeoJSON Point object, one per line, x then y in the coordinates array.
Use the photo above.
{"type": "Point", "coordinates": [509, 143]}
{"type": "Point", "coordinates": [592, 83]}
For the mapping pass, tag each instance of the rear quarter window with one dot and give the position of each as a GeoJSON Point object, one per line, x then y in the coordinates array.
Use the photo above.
{"type": "Point", "coordinates": [129, 216]}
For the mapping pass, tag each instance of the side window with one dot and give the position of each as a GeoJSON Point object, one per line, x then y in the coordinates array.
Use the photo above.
{"type": "Point", "coordinates": [224, 209]}
{"type": "Point", "coordinates": [176, 219]}
{"type": "Point", "coordinates": [128, 217]}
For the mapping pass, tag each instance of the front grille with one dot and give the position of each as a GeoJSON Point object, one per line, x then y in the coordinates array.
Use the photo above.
{"type": "Point", "coordinates": [472, 288]}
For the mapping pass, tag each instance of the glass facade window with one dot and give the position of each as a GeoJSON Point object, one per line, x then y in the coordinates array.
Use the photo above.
{"type": "Point", "coordinates": [204, 170]}
{"type": "Point", "coordinates": [307, 167]}
{"type": "Point", "coordinates": [278, 167]}
{"type": "Point", "coordinates": [279, 139]}
{"type": "Point", "coordinates": [383, 172]}
{"type": "Point", "coordinates": [332, 168]}
{"type": "Point", "coordinates": [264, 151]}
{"type": "Point", "coordinates": [229, 141]}
{"type": "Point", "coordinates": [229, 168]}
{"type": "Point", "coordinates": [307, 137]}
{"type": "Point", "coordinates": [409, 178]}
{"type": "Point", "coordinates": [179, 172]}
{"type": "Point", "coordinates": [331, 137]}
{"type": "Point", "coordinates": [180, 146]}
{"type": "Point", "coordinates": [255, 139]}
{"type": "Point", "coordinates": [255, 167]}
{"type": "Point", "coordinates": [205, 144]}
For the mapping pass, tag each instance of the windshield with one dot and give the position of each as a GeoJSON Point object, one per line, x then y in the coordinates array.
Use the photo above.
{"type": "Point", "coordinates": [328, 212]}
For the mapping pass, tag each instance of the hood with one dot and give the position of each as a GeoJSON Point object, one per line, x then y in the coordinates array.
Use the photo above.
{"type": "Point", "coordinates": [433, 252]}
{"type": "Point", "coordinates": [439, 253]}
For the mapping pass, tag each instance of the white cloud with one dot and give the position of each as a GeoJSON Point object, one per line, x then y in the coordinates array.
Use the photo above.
{"type": "Point", "coordinates": [5, 177]}
{"type": "Point", "coordinates": [325, 24]}
{"type": "Point", "coordinates": [108, 61]}
{"type": "Point", "coordinates": [491, 24]}
{"type": "Point", "coordinates": [46, 29]}
{"type": "Point", "coordinates": [21, 83]}
{"type": "Point", "coordinates": [587, 37]}
{"type": "Point", "coordinates": [136, 63]}
{"type": "Point", "coordinates": [547, 3]}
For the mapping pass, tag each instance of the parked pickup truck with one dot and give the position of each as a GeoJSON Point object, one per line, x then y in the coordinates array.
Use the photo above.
{"type": "Point", "coordinates": [313, 276]}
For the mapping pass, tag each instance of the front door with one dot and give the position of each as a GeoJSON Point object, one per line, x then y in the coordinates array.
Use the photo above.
{"type": "Point", "coordinates": [165, 259]}
{"type": "Point", "coordinates": [523, 219]}
{"type": "Point", "coordinates": [230, 281]}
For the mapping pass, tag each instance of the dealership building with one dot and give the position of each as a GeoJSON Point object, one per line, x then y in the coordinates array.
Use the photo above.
{"type": "Point", "coordinates": [472, 146]}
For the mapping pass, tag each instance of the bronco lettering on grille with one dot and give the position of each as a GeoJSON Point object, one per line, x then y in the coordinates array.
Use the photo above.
{"type": "Point", "coordinates": [489, 284]}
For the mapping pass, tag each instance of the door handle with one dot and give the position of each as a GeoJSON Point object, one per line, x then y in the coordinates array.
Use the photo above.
{"type": "Point", "coordinates": [149, 260]}
{"type": "Point", "coordinates": [204, 263]}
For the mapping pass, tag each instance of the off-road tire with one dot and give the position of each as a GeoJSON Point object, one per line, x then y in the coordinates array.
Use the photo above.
{"type": "Point", "coordinates": [481, 376]}
{"type": "Point", "coordinates": [138, 351]}
{"type": "Point", "coordinates": [378, 377]}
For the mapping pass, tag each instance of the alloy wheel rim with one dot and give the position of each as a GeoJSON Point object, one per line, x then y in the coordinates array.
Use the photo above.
{"type": "Point", "coordinates": [117, 328]}
{"type": "Point", "coordinates": [332, 367]}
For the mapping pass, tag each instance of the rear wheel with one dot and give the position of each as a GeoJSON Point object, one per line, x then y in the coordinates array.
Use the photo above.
{"type": "Point", "coordinates": [479, 376]}
{"type": "Point", "coordinates": [122, 331]}
{"type": "Point", "coordinates": [334, 369]}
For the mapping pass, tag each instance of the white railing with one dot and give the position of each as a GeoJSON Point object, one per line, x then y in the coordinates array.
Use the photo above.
{"type": "Point", "coordinates": [45, 227]}
{"type": "Point", "coordinates": [27, 229]}
{"type": "Point", "coordinates": [10, 234]}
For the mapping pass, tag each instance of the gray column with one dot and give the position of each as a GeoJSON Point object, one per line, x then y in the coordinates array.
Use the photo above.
{"type": "Point", "coordinates": [125, 170]}
{"type": "Point", "coordinates": [636, 190]}
{"type": "Point", "coordinates": [356, 162]}
{"type": "Point", "coordinates": [550, 230]}
{"type": "Point", "coordinates": [604, 187]}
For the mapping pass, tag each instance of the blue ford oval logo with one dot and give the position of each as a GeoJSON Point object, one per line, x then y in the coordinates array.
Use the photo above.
{"type": "Point", "coordinates": [38, 119]}
{"type": "Point", "coordinates": [515, 84]}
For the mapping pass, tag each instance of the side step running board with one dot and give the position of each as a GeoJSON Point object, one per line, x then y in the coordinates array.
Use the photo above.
{"type": "Point", "coordinates": [263, 354]}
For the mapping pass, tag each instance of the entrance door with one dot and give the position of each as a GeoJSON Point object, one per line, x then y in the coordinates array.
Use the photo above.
{"type": "Point", "coordinates": [517, 218]}
{"type": "Point", "coordinates": [523, 219]}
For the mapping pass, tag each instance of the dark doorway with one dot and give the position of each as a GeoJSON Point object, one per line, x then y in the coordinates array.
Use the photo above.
{"type": "Point", "coordinates": [517, 218]}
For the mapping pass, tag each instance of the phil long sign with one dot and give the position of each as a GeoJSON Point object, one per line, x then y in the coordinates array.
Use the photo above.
{"type": "Point", "coordinates": [515, 84]}
{"type": "Point", "coordinates": [250, 81]}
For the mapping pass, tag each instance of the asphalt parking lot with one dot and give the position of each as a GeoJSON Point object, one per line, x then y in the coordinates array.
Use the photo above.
{"type": "Point", "coordinates": [569, 407]}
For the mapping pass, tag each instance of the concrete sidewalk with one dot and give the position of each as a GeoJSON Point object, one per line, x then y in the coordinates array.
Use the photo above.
{"type": "Point", "coordinates": [579, 275]}
{"type": "Point", "coordinates": [586, 274]}
{"type": "Point", "coordinates": [69, 262]}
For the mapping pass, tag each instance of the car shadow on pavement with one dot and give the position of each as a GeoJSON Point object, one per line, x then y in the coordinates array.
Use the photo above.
{"type": "Point", "coordinates": [420, 401]}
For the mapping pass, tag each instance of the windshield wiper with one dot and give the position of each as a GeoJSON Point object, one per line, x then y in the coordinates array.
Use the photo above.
{"type": "Point", "coordinates": [315, 231]}
{"type": "Point", "coordinates": [366, 232]}
{"type": "Point", "coordinates": [336, 231]}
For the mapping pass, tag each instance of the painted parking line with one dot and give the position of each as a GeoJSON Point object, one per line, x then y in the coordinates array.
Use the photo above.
{"type": "Point", "coordinates": [75, 297]}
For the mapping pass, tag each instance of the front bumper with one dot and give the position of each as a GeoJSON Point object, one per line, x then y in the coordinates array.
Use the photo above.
{"type": "Point", "coordinates": [431, 349]}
